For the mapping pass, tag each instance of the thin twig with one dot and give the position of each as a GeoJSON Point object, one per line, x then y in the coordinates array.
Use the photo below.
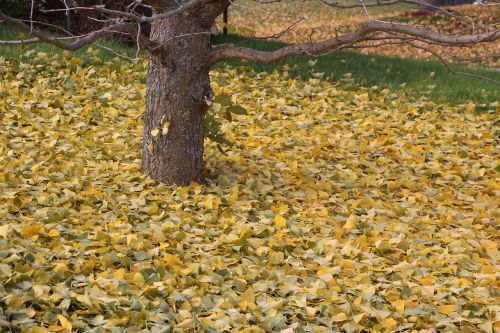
{"type": "Point", "coordinates": [449, 68]}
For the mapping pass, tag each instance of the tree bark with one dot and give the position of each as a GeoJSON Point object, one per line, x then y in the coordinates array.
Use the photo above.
{"type": "Point", "coordinates": [177, 89]}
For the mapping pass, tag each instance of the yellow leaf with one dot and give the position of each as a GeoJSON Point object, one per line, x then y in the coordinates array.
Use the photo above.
{"type": "Point", "coordinates": [390, 323]}
{"type": "Point", "coordinates": [173, 260]}
{"type": "Point", "coordinates": [399, 305]}
{"type": "Point", "coordinates": [446, 309]}
{"type": "Point", "coordinates": [209, 202]}
{"type": "Point", "coordinates": [248, 295]}
{"type": "Point", "coordinates": [369, 292]}
{"type": "Point", "coordinates": [155, 132]}
{"type": "Point", "coordinates": [188, 323]}
{"type": "Point", "coordinates": [233, 196]}
{"type": "Point", "coordinates": [367, 203]}
{"type": "Point", "coordinates": [65, 323]}
{"type": "Point", "coordinates": [352, 176]}
{"type": "Point", "coordinates": [138, 279]}
{"type": "Point", "coordinates": [54, 233]}
{"type": "Point", "coordinates": [40, 290]}
{"type": "Point", "coordinates": [280, 221]}
{"type": "Point", "coordinates": [60, 268]}
{"type": "Point", "coordinates": [345, 263]}
{"type": "Point", "coordinates": [357, 318]}
{"type": "Point", "coordinates": [4, 231]}
{"type": "Point", "coordinates": [351, 223]}
{"type": "Point", "coordinates": [311, 194]}
{"type": "Point", "coordinates": [119, 273]}
{"type": "Point", "coordinates": [322, 271]}
{"type": "Point", "coordinates": [165, 128]}
{"type": "Point", "coordinates": [281, 209]}
{"type": "Point", "coordinates": [339, 317]}
{"type": "Point", "coordinates": [393, 185]}
{"type": "Point", "coordinates": [31, 230]}
{"type": "Point", "coordinates": [153, 209]}
{"type": "Point", "coordinates": [247, 298]}
{"type": "Point", "coordinates": [428, 280]}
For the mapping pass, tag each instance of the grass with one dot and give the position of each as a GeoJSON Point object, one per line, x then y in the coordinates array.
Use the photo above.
{"type": "Point", "coordinates": [394, 73]}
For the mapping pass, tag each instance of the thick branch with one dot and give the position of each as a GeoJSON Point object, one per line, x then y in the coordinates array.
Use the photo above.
{"type": "Point", "coordinates": [362, 34]}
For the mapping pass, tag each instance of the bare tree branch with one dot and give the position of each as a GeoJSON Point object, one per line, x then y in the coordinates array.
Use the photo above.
{"type": "Point", "coordinates": [136, 18]}
{"type": "Point", "coordinates": [128, 28]}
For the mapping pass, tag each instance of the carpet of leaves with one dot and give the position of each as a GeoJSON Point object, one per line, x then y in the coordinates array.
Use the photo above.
{"type": "Point", "coordinates": [314, 22]}
{"type": "Point", "coordinates": [337, 210]}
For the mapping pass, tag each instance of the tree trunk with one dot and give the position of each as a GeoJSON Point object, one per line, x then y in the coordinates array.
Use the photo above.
{"type": "Point", "coordinates": [177, 88]}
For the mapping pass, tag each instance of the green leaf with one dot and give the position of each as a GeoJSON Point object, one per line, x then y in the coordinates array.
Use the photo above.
{"type": "Point", "coordinates": [224, 100]}
{"type": "Point", "coordinates": [237, 109]}
{"type": "Point", "coordinates": [112, 258]}
{"type": "Point", "coordinates": [140, 255]}
{"type": "Point", "coordinates": [136, 305]}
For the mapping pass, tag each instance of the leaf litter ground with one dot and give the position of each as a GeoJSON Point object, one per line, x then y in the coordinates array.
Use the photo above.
{"type": "Point", "coordinates": [337, 210]}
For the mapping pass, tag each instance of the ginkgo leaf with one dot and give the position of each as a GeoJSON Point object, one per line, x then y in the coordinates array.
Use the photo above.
{"type": "Point", "coordinates": [446, 309]}
{"type": "Point", "coordinates": [165, 128]}
{"type": "Point", "coordinates": [155, 132]}
{"type": "Point", "coordinates": [31, 230]}
{"type": "Point", "coordinates": [280, 221]}
{"type": "Point", "coordinates": [54, 233]}
{"type": "Point", "coordinates": [173, 259]}
{"type": "Point", "coordinates": [339, 317]}
{"type": "Point", "coordinates": [65, 323]}
{"type": "Point", "coordinates": [4, 230]}
{"type": "Point", "coordinates": [351, 223]}
{"type": "Point", "coordinates": [237, 109]}
{"type": "Point", "coordinates": [119, 273]}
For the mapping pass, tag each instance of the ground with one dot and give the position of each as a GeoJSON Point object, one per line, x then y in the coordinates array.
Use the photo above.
{"type": "Point", "coordinates": [339, 208]}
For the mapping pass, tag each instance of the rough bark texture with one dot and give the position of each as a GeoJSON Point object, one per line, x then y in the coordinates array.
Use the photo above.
{"type": "Point", "coordinates": [177, 87]}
